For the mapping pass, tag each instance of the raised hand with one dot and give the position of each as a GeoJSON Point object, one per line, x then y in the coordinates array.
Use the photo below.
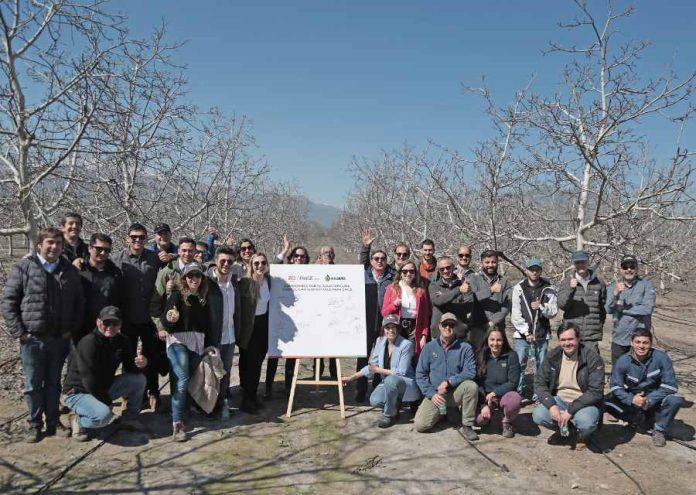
{"type": "Point", "coordinates": [367, 238]}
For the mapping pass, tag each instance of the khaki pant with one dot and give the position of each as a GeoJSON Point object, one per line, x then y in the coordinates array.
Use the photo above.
{"type": "Point", "coordinates": [465, 396]}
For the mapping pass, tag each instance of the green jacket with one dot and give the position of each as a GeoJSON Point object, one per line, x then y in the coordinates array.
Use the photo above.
{"type": "Point", "coordinates": [159, 295]}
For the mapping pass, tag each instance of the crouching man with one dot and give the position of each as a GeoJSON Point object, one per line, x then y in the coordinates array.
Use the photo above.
{"type": "Point", "coordinates": [445, 375]}
{"type": "Point", "coordinates": [644, 387]}
{"type": "Point", "coordinates": [91, 383]}
{"type": "Point", "coordinates": [569, 386]}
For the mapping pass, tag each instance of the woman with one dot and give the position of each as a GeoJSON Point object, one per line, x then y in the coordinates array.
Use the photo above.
{"type": "Point", "coordinates": [242, 267]}
{"type": "Point", "coordinates": [255, 294]}
{"type": "Point", "coordinates": [297, 256]}
{"type": "Point", "coordinates": [186, 320]}
{"type": "Point", "coordinates": [391, 359]}
{"type": "Point", "coordinates": [408, 299]}
{"type": "Point", "coordinates": [498, 371]}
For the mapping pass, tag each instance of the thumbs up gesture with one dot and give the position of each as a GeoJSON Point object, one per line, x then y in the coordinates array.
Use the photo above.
{"type": "Point", "coordinates": [173, 315]}
{"type": "Point", "coordinates": [170, 284]}
{"type": "Point", "coordinates": [140, 360]}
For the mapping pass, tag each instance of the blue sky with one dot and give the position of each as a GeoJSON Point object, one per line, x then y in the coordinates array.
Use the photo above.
{"type": "Point", "coordinates": [324, 81]}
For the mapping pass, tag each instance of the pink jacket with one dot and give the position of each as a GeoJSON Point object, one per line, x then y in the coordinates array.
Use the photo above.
{"type": "Point", "coordinates": [423, 311]}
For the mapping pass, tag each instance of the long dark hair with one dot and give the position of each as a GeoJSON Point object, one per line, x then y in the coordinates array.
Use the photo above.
{"type": "Point", "coordinates": [484, 351]}
{"type": "Point", "coordinates": [186, 292]}
{"type": "Point", "coordinates": [417, 281]}
{"type": "Point", "coordinates": [294, 251]}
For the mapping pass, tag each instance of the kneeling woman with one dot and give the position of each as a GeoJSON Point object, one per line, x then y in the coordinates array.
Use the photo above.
{"type": "Point", "coordinates": [391, 358]}
{"type": "Point", "coordinates": [186, 320]}
{"type": "Point", "coordinates": [498, 372]}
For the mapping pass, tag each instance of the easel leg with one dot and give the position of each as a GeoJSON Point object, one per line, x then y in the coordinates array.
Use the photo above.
{"type": "Point", "coordinates": [293, 387]}
{"type": "Point", "coordinates": [340, 388]}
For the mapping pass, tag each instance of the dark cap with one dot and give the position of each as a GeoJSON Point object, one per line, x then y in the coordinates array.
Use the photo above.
{"type": "Point", "coordinates": [192, 267]}
{"type": "Point", "coordinates": [629, 258]}
{"type": "Point", "coordinates": [580, 256]}
{"type": "Point", "coordinates": [390, 320]}
{"type": "Point", "coordinates": [162, 227]}
{"type": "Point", "coordinates": [110, 313]}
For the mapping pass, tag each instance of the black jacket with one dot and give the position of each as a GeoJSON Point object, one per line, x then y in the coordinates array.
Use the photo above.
{"type": "Point", "coordinates": [216, 306]}
{"type": "Point", "coordinates": [590, 379]}
{"type": "Point", "coordinates": [93, 363]}
{"type": "Point", "coordinates": [502, 374]}
{"type": "Point", "coordinates": [583, 307]}
{"type": "Point", "coordinates": [139, 275]}
{"type": "Point", "coordinates": [193, 317]}
{"type": "Point", "coordinates": [78, 251]}
{"type": "Point", "coordinates": [446, 298]}
{"type": "Point", "coordinates": [102, 288]}
{"type": "Point", "coordinates": [42, 303]}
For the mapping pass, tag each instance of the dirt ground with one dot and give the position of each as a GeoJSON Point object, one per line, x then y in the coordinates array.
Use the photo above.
{"type": "Point", "coordinates": [315, 451]}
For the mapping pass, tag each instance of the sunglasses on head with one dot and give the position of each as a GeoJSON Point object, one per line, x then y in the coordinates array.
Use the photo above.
{"type": "Point", "coordinates": [100, 249]}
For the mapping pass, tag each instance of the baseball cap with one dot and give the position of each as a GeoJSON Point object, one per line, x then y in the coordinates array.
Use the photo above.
{"type": "Point", "coordinates": [110, 313]}
{"type": "Point", "coordinates": [192, 267]}
{"type": "Point", "coordinates": [448, 317]}
{"type": "Point", "coordinates": [629, 258]}
{"type": "Point", "coordinates": [580, 256]}
{"type": "Point", "coordinates": [162, 227]}
{"type": "Point", "coordinates": [390, 320]}
{"type": "Point", "coordinates": [534, 262]}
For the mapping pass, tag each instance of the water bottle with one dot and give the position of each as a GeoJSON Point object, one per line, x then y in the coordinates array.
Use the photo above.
{"type": "Point", "coordinates": [442, 409]}
{"type": "Point", "coordinates": [531, 352]}
{"type": "Point", "coordinates": [564, 430]}
{"type": "Point", "coordinates": [225, 409]}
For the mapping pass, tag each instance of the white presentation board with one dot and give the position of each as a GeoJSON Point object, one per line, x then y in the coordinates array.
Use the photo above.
{"type": "Point", "coordinates": [317, 311]}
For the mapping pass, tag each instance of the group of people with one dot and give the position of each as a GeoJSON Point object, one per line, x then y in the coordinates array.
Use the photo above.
{"type": "Point", "coordinates": [435, 335]}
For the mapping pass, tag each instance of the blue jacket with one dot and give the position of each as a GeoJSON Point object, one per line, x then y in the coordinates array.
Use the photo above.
{"type": "Point", "coordinates": [655, 377]}
{"type": "Point", "coordinates": [456, 364]}
{"type": "Point", "coordinates": [639, 303]}
{"type": "Point", "coordinates": [400, 364]}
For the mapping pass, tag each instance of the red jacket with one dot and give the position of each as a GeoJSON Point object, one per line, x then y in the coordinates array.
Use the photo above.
{"type": "Point", "coordinates": [423, 311]}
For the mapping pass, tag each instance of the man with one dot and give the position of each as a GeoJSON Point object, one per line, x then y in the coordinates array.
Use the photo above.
{"type": "Point", "coordinates": [643, 387]}
{"type": "Point", "coordinates": [464, 262]}
{"type": "Point", "coordinates": [533, 304]}
{"type": "Point", "coordinates": [74, 248]}
{"type": "Point", "coordinates": [139, 267]}
{"type": "Point", "coordinates": [497, 306]}
{"type": "Point", "coordinates": [378, 275]}
{"type": "Point", "coordinates": [163, 245]}
{"type": "Point", "coordinates": [43, 304]}
{"type": "Point", "coordinates": [91, 384]}
{"type": "Point", "coordinates": [428, 263]}
{"type": "Point", "coordinates": [570, 386]}
{"type": "Point", "coordinates": [631, 302]}
{"type": "Point", "coordinates": [450, 294]}
{"type": "Point", "coordinates": [201, 256]}
{"type": "Point", "coordinates": [327, 255]}
{"type": "Point", "coordinates": [582, 298]}
{"type": "Point", "coordinates": [225, 314]}
{"type": "Point", "coordinates": [402, 253]}
{"type": "Point", "coordinates": [445, 375]}
{"type": "Point", "coordinates": [102, 282]}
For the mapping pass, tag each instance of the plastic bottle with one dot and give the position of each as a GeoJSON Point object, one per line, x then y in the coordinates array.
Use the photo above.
{"type": "Point", "coordinates": [225, 409]}
{"type": "Point", "coordinates": [442, 408]}
{"type": "Point", "coordinates": [564, 430]}
{"type": "Point", "coordinates": [532, 351]}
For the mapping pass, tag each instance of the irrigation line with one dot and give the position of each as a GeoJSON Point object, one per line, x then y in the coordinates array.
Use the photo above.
{"type": "Point", "coordinates": [13, 419]}
{"type": "Point", "coordinates": [502, 467]}
{"type": "Point", "coordinates": [684, 444]}
{"type": "Point", "coordinates": [609, 458]}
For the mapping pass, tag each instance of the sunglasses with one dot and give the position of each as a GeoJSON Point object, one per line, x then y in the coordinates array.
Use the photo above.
{"type": "Point", "coordinates": [225, 261]}
{"type": "Point", "coordinates": [628, 267]}
{"type": "Point", "coordinates": [448, 324]}
{"type": "Point", "coordinates": [137, 237]}
{"type": "Point", "coordinates": [379, 259]}
{"type": "Point", "coordinates": [199, 252]}
{"type": "Point", "coordinates": [100, 249]}
{"type": "Point", "coordinates": [301, 256]}
{"type": "Point", "coordinates": [246, 248]}
{"type": "Point", "coordinates": [446, 268]}
{"type": "Point", "coordinates": [194, 275]}
{"type": "Point", "coordinates": [463, 255]}
{"type": "Point", "coordinates": [405, 272]}
{"type": "Point", "coordinates": [259, 263]}
{"type": "Point", "coordinates": [111, 323]}
{"type": "Point", "coordinates": [402, 255]}
{"type": "Point", "coordinates": [534, 269]}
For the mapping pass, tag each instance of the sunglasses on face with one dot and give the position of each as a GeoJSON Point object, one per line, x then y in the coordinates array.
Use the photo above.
{"type": "Point", "coordinates": [100, 249]}
{"type": "Point", "coordinates": [199, 252]}
{"type": "Point", "coordinates": [111, 323]}
{"type": "Point", "coordinates": [246, 248]}
{"type": "Point", "coordinates": [402, 255]}
{"type": "Point", "coordinates": [448, 324]}
{"type": "Point", "coordinates": [301, 256]}
{"type": "Point", "coordinates": [137, 237]}
{"type": "Point", "coordinates": [406, 272]}
{"type": "Point", "coordinates": [225, 261]}
{"type": "Point", "coordinates": [194, 275]}
{"type": "Point", "coordinates": [259, 263]}
{"type": "Point", "coordinates": [464, 255]}
{"type": "Point", "coordinates": [534, 269]}
{"type": "Point", "coordinates": [446, 268]}
{"type": "Point", "coordinates": [379, 259]}
{"type": "Point", "coordinates": [628, 267]}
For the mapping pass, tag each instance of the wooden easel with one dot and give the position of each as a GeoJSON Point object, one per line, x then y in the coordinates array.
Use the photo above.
{"type": "Point", "coordinates": [317, 381]}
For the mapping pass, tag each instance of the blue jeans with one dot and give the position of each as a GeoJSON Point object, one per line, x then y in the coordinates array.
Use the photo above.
{"type": "Point", "coordinates": [663, 411]}
{"type": "Point", "coordinates": [387, 394]}
{"type": "Point", "coordinates": [42, 360]}
{"type": "Point", "coordinates": [181, 363]}
{"type": "Point", "coordinates": [93, 413]}
{"type": "Point", "coordinates": [522, 350]}
{"type": "Point", "coordinates": [227, 355]}
{"type": "Point", "coordinates": [585, 420]}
